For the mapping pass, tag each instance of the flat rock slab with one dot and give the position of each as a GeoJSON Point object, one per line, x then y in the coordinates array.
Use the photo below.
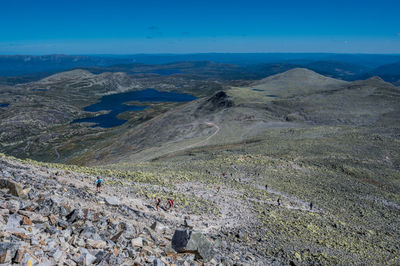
{"type": "Point", "coordinates": [97, 244]}
{"type": "Point", "coordinates": [200, 243]}
{"type": "Point", "coordinates": [113, 201]}
{"type": "Point", "coordinates": [137, 242]}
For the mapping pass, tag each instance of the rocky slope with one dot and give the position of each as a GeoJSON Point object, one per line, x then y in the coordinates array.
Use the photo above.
{"type": "Point", "coordinates": [53, 216]}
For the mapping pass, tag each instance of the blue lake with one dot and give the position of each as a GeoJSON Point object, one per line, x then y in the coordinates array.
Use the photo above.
{"type": "Point", "coordinates": [4, 105]}
{"type": "Point", "coordinates": [269, 95]}
{"type": "Point", "coordinates": [115, 103]}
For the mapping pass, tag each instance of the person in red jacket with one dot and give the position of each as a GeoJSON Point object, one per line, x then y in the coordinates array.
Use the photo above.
{"type": "Point", "coordinates": [170, 203]}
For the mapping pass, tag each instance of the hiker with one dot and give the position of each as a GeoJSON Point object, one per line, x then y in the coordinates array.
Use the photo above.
{"type": "Point", "coordinates": [98, 184]}
{"type": "Point", "coordinates": [311, 205]}
{"type": "Point", "coordinates": [170, 204]}
{"type": "Point", "coordinates": [266, 187]}
{"type": "Point", "coordinates": [157, 203]}
{"type": "Point", "coordinates": [279, 201]}
{"type": "Point", "coordinates": [223, 174]}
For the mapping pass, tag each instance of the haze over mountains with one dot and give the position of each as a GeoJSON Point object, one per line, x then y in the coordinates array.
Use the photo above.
{"type": "Point", "coordinates": [239, 66]}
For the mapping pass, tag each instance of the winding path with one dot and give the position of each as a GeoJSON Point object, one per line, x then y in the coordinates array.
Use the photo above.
{"type": "Point", "coordinates": [56, 151]}
{"type": "Point", "coordinates": [194, 144]}
{"type": "Point", "coordinates": [203, 141]}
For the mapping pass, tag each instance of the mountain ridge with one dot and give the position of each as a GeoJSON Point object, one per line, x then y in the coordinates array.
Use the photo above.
{"type": "Point", "coordinates": [243, 110]}
{"type": "Point", "coordinates": [226, 66]}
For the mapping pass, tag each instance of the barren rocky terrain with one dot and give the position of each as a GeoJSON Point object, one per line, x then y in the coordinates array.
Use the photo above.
{"type": "Point", "coordinates": [55, 216]}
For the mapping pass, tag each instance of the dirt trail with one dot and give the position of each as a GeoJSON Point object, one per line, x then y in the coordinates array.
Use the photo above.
{"type": "Point", "coordinates": [56, 152]}
{"type": "Point", "coordinates": [234, 211]}
{"type": "Point", "coordinates": [191, 145]}
{"type": "Point", "coordinates": [290, 202]}
{"type": "Point", "coordinates": [202, 141]}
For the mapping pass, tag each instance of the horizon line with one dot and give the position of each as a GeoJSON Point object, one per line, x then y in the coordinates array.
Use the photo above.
{"type": "Point", "coordinates": [194, 53]}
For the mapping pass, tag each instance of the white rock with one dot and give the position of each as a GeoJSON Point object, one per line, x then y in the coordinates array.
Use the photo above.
{"type": "Point", "coordinates": [137, 242]}
{"type": "Point", "coordinates": [112, 201]}
{"type": "Point", "coordinates": [98, 244]}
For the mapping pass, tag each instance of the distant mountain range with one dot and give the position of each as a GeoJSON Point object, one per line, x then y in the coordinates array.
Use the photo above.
{"type": "Point", "coordinates": [16, 69]}
{"type": "Point", "coordinates": [389, 72]}
{"type": "Point", "coordinates": [14, 65]}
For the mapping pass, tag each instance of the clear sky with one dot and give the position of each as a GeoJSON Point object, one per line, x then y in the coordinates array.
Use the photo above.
{"type": "Point", "coordinates": [192, 26]}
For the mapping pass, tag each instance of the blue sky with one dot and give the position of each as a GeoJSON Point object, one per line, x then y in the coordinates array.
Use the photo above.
{"type": "Point", "coordinates": [172, 26]}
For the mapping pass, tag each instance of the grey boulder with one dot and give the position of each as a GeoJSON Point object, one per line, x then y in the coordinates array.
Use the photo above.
{"type": "Point", "coordinates": [192, 242]}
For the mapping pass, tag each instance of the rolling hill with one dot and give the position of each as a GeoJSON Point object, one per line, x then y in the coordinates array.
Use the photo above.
{"type": "Point", "coordinates": [298, 98]}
